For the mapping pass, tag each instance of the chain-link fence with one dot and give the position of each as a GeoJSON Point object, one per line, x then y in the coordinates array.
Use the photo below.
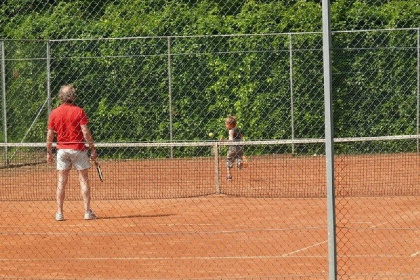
{"type": "Point", "coordinates": [155, 78]}
{"type": "Point", "coordinates": [59, 19]}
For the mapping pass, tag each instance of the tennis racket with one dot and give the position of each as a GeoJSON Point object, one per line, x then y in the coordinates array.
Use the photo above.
{"type": "Point", "coordinates": [99, 170]}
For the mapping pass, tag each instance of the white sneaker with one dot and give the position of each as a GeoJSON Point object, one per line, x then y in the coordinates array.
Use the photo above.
{"type": "Point", "coordinates": [59, 217]}
{"type": "Point", "coordinates": [89, 215]}
{"type": "Point", "coordinates": [240, 165]}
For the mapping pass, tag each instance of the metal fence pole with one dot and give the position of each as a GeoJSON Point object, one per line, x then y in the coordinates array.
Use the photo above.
{"type": "Point", "coordinates": [3, 87]}
{"type": "Point", "coordinates": [418, 86]}
{"type": "Point", "coordinates": [170, 94]}
{"type": "Point", "coordinates": [292, 112]}
{"type": "Point", "coordinates": [329, 148]}
{"type": "Point", "coordinates": [48, 77]}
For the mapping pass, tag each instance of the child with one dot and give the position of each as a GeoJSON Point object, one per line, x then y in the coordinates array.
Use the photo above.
{"type": "Point", "coordinates": [235, 153]}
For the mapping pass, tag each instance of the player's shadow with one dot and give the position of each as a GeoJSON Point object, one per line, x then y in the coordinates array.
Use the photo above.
{"type": "Point", "coordinates": [135, 216]}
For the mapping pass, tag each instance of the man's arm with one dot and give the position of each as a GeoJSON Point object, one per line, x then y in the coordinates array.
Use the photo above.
{"type": "Point", "coordinates": [50, 138]}
{"type": "Point", "coordinates": [89, 139]}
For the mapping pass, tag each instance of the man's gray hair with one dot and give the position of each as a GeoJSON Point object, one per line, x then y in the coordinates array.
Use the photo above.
{"type": "Point", "coordinates": [67, 94]}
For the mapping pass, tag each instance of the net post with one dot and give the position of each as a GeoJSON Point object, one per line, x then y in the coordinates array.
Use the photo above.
{"type": "Point", "coordinates": [216, 167]}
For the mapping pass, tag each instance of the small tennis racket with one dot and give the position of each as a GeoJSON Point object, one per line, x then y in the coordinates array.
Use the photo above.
{"type": "Point", "coordinates": [99, 170]}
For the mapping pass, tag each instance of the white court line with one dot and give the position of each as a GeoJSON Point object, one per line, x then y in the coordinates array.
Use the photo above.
{"type": "Point", "coordinates": [168, 258]}
{"type": "Point", "coordinates": [398, 218]}
{"type": "Point", "coordinates": [377, 225]}
{"type": "Point", "coordinates": [196, 258]}
{"type": "Point", "coordinates": [156, 233]}
{"type": "Point", "coordinates": [407, 214]}
{"type": "Point", "coordinates": [201, 258]}
{"type": "Point", "coordinates": [415, 254]}
{"type": "Point", "coordinates": [304, 249]}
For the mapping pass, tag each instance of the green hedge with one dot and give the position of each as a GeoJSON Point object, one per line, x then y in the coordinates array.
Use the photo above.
{"type": "Point", "coordinates": [124, 84]}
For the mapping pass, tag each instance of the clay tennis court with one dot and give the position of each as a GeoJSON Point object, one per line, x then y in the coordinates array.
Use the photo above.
{"type": "Point", "coordinates": [180, 218]}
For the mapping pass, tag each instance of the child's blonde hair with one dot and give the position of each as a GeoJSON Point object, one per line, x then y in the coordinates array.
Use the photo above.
{"type": "Point", "coordinates": [231, 120]}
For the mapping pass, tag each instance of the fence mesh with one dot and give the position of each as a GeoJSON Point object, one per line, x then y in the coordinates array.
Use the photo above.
{"type": "Point", "coordinates": [155, 78]}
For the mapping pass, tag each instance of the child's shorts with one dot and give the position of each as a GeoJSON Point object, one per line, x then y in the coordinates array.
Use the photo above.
{"type": "Point", "coordinates": [235, 153]}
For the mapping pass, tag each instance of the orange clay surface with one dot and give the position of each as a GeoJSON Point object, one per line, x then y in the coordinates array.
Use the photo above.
{"type": "Point", "coordinates": [176, 219]}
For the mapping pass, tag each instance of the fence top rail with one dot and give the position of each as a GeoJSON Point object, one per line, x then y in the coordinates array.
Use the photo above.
{"type": "Point", "coordinates": [209, 36]}
{"type": "Point", "coordinates": [225, 143]}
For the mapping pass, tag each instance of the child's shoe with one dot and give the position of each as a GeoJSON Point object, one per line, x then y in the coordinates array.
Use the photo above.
{"type": "Point", "coordinates": [240, 165]}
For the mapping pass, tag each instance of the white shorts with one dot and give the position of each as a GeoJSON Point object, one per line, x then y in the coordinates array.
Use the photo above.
{"type": "Point", "coordinates": [67, 157]}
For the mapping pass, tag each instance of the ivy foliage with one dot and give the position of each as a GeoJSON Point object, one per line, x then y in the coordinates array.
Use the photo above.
{"type": "Point", "coordinates": [134, 91]}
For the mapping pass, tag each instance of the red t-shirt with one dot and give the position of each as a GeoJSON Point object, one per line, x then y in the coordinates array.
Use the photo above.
{"type": "Point", "coordinates": [66, 120]}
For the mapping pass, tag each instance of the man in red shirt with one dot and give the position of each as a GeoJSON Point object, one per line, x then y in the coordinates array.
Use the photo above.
{"type": "Point", "coordinates": [70, 125]}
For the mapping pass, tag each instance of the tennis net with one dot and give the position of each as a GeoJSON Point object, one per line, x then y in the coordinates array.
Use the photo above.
{"type": "Point", "coordinates": [382, 166]}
